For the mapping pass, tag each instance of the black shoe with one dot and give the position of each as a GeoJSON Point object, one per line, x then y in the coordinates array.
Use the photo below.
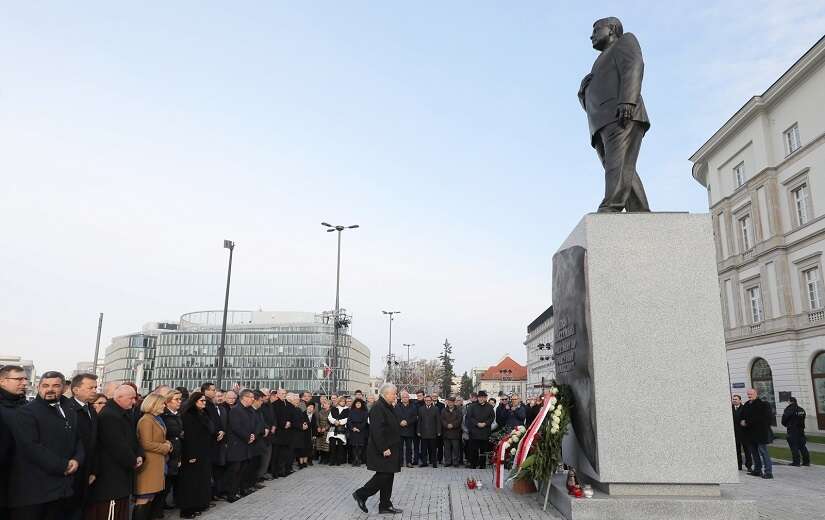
{"type": "Point", "coordinates": [755, 473]}
{"type": "Point", "coordinates": [470, 466]}
{"type": "Point", "coordinates": [794, 464]}
{"type": "Point", "coordinates": [447, 465]}
{"type": "Point", "coordinates": [767, 476]}
{"type": "Point", "coordinates": [259, 486]}
{"type": "Point", "coordinates": [392, 510]}
{"type": "Point", "coordinates": [232, 499]}
{"type": "Point", "coordinates": [409, 465]}
{"type": "Point", "coordinates": [435, 466]}
{"type": "Point", "coordinates": [218, 498]}
{"type": "Point", "coordinates": [806, 463]}
{"type": "Point", "coordinates": [362, 504]}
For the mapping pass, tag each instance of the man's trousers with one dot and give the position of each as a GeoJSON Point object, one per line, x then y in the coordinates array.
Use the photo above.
{"type": "Point", "coordinates": [618, 150]}
{"type": "Point", "coordinates": [379, 483]}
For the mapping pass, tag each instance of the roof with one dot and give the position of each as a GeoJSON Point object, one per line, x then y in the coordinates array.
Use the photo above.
{"type": "Point", "coordinates": [755, 104]}
{"type": "Point", "coordinates": [544, 316]}
{"type": "Point", "coordinates": [517, 372]}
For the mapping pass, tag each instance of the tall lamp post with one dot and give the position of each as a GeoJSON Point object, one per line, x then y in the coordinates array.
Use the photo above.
{"type": "Point", "coordinates": [405, 374]}
{"type": "Point", "coordinates": [389, 351]}
{"type": "Point", "coordinates": [227, 244]}
{"type": "Point", "coordinates": [333, 362]}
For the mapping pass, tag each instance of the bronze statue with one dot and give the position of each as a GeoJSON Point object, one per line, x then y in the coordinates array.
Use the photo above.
{"type": "Point", "coordinates": [611, 96]}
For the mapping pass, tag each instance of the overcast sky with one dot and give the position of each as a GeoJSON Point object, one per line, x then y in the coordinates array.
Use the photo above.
{"type": "Point", "coordinates": [135, 138]}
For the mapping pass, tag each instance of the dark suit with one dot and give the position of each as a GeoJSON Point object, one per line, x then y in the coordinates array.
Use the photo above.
{"type": "Point", "coordinates": [117, 451]}
{"type": "Point", "coordinates": [742, 445]}
{"type": "Point", "coordinates": [46, 440]}
{"type": "Point", "coordinates": [87, 431]}
{"type": "Point", "coordinates": [242, 424]}
{"type": "Point", "coordinates": [616, 78]}
{"type": "Point", "coordinates": [429, 429]}
{"type": "Point", "coordinates": [385, 434]}
{"type": "Point", "coordinates": [408, 413]}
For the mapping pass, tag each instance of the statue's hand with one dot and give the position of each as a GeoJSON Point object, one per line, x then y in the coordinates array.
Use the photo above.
{"type": "Point", "coordinates": [583, 87]}
{"type": "Point", "coordinates": [625, 113]}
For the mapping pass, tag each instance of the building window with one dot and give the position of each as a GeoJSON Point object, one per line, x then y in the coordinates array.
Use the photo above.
{"type": "Point", "coordinates": [818, 379]}
{"type": "Point", "coordinates": [755, 299]}
{"type": "Point", "coordinates": [762, 381]}
{"type": "Point", "coordinates": [745, 229]}
{"type": "Point", "coordinates": [812, 285]}
{"type": "Point", "coordinates": [739, 174]}
{"type": "Point", "coordinates": [801, 199]}
{"type": "Point", "coordinates": [792, 142]}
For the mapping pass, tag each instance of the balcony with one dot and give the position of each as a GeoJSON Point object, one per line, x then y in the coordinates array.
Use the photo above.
{"type": "Point", "coordinates": [797, 322]}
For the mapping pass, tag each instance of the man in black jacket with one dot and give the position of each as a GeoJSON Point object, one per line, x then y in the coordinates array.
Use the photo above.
{"type": "Point", "coordinates": [793, 418]}
{"type": "Point", "coordinates": [383, 452]}
{"type": "Point", "coordinates": [84, 389]}
{"type": "Point", "coordinates": [480, 416]}
{"type": "Point", "coordinates": [48, 454]}
{"type": "Point", "coordinates": [13, 382]}
{"type": "Point", "coordinates": [742, 445]}
{"type": "Point", "coordinates": [429, 428]}
{"type": "Point", "coordinates": [219, 419]}
{"type": "Point", "coordinates": [408, 422]}
{"type": "Point", "coordinates": [284, 415]}
{"type": "Point", "coordinates": [756, 419]}
{"type": "Point", "coordinates": [118, 456]}
{"type": "Point", "coordinates": [242, 426]}
{"type": "Point", "coordinates": [451, 419]}
{"type": "Point", "coordinates": [419, 402]}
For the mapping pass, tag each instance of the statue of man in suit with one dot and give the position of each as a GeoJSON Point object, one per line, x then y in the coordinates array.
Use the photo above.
{"type": "Point", "coordinates": [611, 96]}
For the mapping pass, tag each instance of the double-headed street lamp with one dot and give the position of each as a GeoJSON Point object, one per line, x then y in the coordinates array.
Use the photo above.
{"type": "Point", "coordinates": [227, 244]}
{"type": "Point", "coordinates": [333, 362]}
{"type": "Point", "coordinates": [389, 352]}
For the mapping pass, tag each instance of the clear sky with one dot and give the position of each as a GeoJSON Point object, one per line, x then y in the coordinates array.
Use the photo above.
{"type": "Point", "coordinates": [135, 138]}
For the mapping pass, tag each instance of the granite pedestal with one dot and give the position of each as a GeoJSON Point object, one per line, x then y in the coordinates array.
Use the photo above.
{"type": "Point", "coordinates": [639, 338]}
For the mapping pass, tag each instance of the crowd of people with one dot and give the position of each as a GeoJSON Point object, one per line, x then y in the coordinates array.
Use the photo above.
{"type": "Point", "coordinates": [116, 455]}
{"type": "Point", "coordinates": [753, 433]}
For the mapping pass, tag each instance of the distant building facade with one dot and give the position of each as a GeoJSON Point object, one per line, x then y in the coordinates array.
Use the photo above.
{"type": "Point", "coordinates": [764, 170]}
{"type": "Point", "coordinates": [539, 344]}
{"type": "Point", "coordinates": [507, 376]}
{"type": "Point", "coordinates": [262, 350]}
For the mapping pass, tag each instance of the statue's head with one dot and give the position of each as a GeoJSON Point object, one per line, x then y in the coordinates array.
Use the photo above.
{"type": "Point", "coordinates": [605, 32]}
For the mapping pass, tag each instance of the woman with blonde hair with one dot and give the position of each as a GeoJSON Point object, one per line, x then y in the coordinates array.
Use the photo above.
{"type": "Point", "coordinates": [151, 433]}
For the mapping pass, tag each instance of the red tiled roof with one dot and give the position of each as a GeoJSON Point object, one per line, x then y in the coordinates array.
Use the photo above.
{"type": "Point", "coordinates": [517, 372]}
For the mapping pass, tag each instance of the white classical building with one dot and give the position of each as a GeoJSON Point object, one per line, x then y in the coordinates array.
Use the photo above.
{"type": "Point", "coordinates": [765, 175]}
{"type": "Point", "coordinates": [539, 344]}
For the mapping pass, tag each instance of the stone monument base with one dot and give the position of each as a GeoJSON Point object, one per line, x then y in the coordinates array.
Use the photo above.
{"type": "Point", "coordinates": [651, 507]}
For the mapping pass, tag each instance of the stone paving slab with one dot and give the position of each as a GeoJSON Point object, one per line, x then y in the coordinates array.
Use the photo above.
{"type": "Point", "coordinates": [324, 493]}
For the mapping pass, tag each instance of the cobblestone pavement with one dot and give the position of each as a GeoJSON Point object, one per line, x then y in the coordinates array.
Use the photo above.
{"type": "Point", "coordinates": [323, 492]}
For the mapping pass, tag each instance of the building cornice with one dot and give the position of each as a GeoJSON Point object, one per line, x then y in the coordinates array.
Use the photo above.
{"type": "Point", "coordinates": [756, 105]}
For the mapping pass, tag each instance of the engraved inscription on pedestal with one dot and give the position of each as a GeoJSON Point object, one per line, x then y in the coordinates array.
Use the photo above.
{"type": "Point", "coordinates": [571, 347]}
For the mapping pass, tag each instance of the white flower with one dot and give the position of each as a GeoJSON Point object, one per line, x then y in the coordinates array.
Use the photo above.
{"type": "Point", "coordinates": [506, 446]}
{"type": "Point", "coordinates": [553, 401]}
{"type": "Point", "coordinates": [554, 429]}
{"type": "Point", "coordinates": [512, 451]}
{"type": "Point", "coordinates": [556, 421]}
{"type": "Point", "coordinates": [557, 412]}
{"type": "Point", "coordinates": [522, 429]}
{"type": "Point", "coordinates": [554, 390]}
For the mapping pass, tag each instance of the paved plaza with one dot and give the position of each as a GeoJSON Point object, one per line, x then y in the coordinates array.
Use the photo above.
{"type": "Point", "coordinates": [323, 493]}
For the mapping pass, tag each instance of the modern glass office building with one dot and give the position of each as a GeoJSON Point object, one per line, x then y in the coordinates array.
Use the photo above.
{"type": "Point", "coordinates": [130, 358]}
{"type": "Point", "coordinates": [263, 350]}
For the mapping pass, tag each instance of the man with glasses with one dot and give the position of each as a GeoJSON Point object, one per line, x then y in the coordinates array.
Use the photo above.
{"type": "Point", "coordinates": [48, 454]}
{"type": "Point", "coordinates": [13, 382]}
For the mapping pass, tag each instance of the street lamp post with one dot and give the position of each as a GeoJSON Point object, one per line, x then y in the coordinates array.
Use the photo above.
{"type": "Point", "coordinates": [389, 351]}
{"type": "Point", "coordinates": [227, 244]}
{"type": "Point", "coordinates": [405, 374]}
{"type": "Point", "coordinates": [334, 354]}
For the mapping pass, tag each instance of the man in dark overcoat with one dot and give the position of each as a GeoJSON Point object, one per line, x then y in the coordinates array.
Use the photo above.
{"type": "Point", "coordinates": [47, 456]}
{"type": "Point", "coordinates": [756, 419]}
{"type": "Point", "coordinates": [383, 452]}
{"type": "Point", "coordinates": [242, 427]}
{"type": "Point", "coordinates": [480, 417]}
{"type": "Point", "coordinates": [743, 453]}
{"type": "Point", "coordinates": [429, 429]}
{"type": "Point", "coordinates": [84, 390]}
{"type": "Point", "coordinates": [407, 414]}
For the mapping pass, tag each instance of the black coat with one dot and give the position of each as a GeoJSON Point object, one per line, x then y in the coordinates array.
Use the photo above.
{"type": "Point", "coordinates": [516, 417]}
{"type": "Point", "coordinates": [193, 489]}
{"type": "Point", "coordinates": [9, 405]}
{"type": "Point", "coordinates": [174, 430]}
{"type": "Point", "coordinates": [357, 419]}
{"type": "Point", "coordinates": [478, 413]}
{"type": "Point", "coordinates": [531, 414]}
{"type": "Point", "coordinates": [793, 418]}
{"type": "Point", "coordinates": [117, 451]}
{"type": "Point", "coordinates": [757, 416]}
{"type": "Point", "coordinates": [429, 422]}
{"type": "Point", "coordinates": [87, 431]}
{"type": "Point", "coordinates": [297, 421]}
{"type": "Point", "coordinates": [738, 429]}
{"type": "Point", "coordinates": [451, 423]}
{"type": "Point", "coordinates": [219, 416]}
{"type": "Point", "coordinates": [261, 439]}
{"type": "Point", "coordinates": [45, 442]}
{"type": "Point", "coordinates": [242, 424]}
{"type": "Point", "coordinates": [385, 435]}
{"type": "Point", "coordinates": [307, 435]}
{"type": "Point", "coordinates": [407, 413]}
{"type": "Point", "coordinates": [283, 413]}
{"type": "Point", "coordinates": [269, 420]}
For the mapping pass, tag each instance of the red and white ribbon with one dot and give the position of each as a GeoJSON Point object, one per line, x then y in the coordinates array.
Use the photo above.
{"type": "Point", "coordinates": [533, 429]}
{"type": "Point", "coordinates": [498, 470]}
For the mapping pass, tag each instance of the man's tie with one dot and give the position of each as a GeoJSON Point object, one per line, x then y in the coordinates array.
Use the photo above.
{"type": "Point", "coordinates": [86, 409]}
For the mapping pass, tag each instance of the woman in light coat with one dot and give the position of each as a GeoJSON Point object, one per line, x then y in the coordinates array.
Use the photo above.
{"type": "Point", "coordinates": [151, 433]}
{"type": "Point", "coordinates": [337, 434]}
